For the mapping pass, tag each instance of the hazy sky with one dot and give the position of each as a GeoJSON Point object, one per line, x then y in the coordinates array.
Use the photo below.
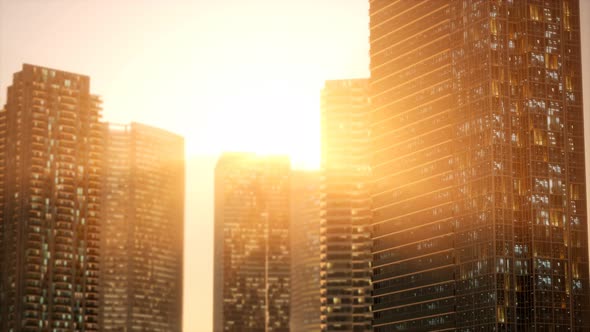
{"type": "Point", "coordinates": [220, 71]}
{"type": "Point", "coordinates": [226, 74]}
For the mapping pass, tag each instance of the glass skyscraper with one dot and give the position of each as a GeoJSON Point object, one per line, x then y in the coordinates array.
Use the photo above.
{"type": "Point", "coordinates": [479, 209]}
{"type": "Point", "coordinates": [345, 239]}
{"type": "Point", "coordinates": [50, 193]}
{"type": "Point", "coordinates": [252, 256]}
{"type": "Point", "coordinates": [305, 248]}
{"type": "Point", "coordinates": [142, 229]}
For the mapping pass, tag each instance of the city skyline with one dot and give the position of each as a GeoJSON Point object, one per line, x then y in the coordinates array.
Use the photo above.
{"type": "Point", "coordinates": [91, 213]}
{"type": "Point", "coordinates": [201, 159]}
{"type": "Point", "coordinates": [181, 70]}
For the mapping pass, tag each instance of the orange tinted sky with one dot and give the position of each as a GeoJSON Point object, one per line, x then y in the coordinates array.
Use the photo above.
{"type": "Point", "coordinates": [207, 65]}
{"type": "Point", "coordinates": [226, 74]}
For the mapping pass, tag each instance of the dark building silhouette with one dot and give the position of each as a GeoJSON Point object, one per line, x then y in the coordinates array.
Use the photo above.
{"type": "Point", "coordinates": [143, 229]}
{"type": "Point", "coordinates": [50, 193]}
{"type": "Point", "coordinates": [252, 244]}
{"type": "Point", "coordinates": [305, 247]}
{"type": "Point", "coordinates": [345, 207]}
{"type": "Point", "coordinates": [478, 164]}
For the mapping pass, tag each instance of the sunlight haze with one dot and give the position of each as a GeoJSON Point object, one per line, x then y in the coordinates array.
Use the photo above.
{"type": "Point", "coordinates": [228, 75]}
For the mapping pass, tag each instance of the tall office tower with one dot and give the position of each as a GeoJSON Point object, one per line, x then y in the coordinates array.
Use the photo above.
{"type": "Point", "coordinates": [143, 229]}
{"type": "Point", "coordinates": [252, 249]}
{"type": "Point", "coordinates": [51, 173]}
{"type": "Point", "coordinates": [478, 164]}
{"type": "Point", "coordinates": [305, 247]}
{"type": "Point", "coordinates": [345, 207]}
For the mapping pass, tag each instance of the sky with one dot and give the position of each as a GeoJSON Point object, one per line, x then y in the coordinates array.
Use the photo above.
{"type": "Point", "coordinates": [225, 74]}
{"type": "Point", "coordinates": [220, 70]}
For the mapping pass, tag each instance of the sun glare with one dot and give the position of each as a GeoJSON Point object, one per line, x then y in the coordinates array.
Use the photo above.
{"type": "Point", "coordinates": [267, 116]}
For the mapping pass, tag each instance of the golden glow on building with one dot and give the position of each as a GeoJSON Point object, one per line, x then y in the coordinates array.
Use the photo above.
{"type": "Point", "coordinates": [480, 219]}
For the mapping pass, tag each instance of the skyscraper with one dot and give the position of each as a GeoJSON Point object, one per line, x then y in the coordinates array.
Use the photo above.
{"type": "Point", "coordinates": [305, 248]}
{"type": "Point", "coordinates": [345, 207]}
{"type": "Point", "coordinates": [143, 229]}
{"type": "Point", "coordinates": [50, 178]}
{"type": "Point", "coordinates": [478, 165]}
{"type": "Point", "coordinates": [252, 245]}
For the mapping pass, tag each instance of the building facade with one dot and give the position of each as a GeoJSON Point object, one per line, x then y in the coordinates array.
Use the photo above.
{"type": "Point", "coordinates": [479, 210]}
{"type": "Point", "coordinates": [50, 193]}
{"type": "Point", "coordinates": [345, 238]}
{"type": "Point", "coordinates": [143, 229]}
{"type": "Point", "coordinates": [252, 245]}
{"type": "Point", "coordinates": [305, 247]}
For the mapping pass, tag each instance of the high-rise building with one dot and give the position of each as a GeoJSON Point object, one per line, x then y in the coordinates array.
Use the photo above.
{"type": "Point", "coordinates": [252, 244]}
{"type": "Point", "coordinates": [345, 237]}
{"type": "Point", "coordinates": [143, 229]}
{"type": "Point", "coordinates": [50, 193]}
{"type": "Point", "coordinates": [478, 165]}
{"type": "Point", "coordinates": [305, 248]}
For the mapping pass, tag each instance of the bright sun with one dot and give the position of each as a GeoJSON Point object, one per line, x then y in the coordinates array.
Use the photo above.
{"type": "Point", "coordinates": [267, 116]}
{"type": "Point", "coordinates": [263, 108]}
